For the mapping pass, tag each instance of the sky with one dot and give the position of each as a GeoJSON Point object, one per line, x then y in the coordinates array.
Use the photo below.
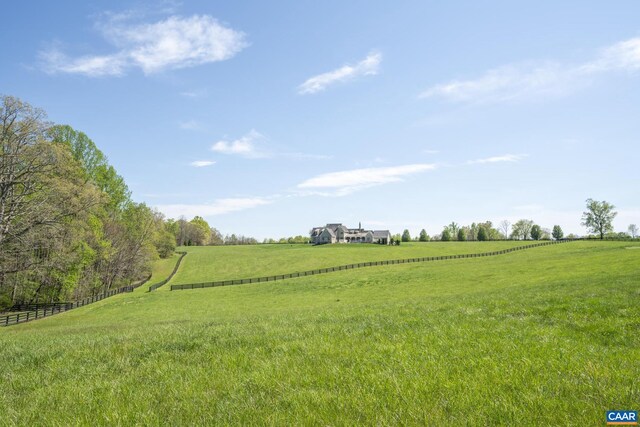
{"type": "Point", "coordinates": [270, 118]}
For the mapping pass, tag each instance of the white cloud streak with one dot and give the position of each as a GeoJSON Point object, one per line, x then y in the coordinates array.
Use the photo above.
{"type": "Point", "coordinates": [347, 182]}
{"type": "Point", "coordinates": [530, 80]}
{"type": "Point", "coordinates": [173, 43]}
{"type": "Point", "coordinates": [366, 67]}
{"type": "Point", "coordinates": [499, 159]}
{"type": "Point", "coordinates": [246, 146]}
{"type": "Point", "coordinates": [219, 207]}
{"type": "Point", "coordinates": [190, 125]}
{"type": "Point", "coordinates": [202, 163]}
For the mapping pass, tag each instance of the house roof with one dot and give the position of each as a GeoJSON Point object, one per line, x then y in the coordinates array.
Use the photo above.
{"type": "Point", "coordinates": [381, 233]}
{"type": "Point", "coordinates": [330, 231]}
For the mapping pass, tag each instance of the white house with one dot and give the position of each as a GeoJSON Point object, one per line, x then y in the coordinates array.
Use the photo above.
{"type": "Point", "coordinates": [338, 233]}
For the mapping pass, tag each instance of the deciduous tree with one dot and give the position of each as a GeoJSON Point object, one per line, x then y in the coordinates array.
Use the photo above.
{"type": "Point", "coordinates": [536, 232]}
{"type": "Point", "coordinates": [557, 232]}
{"type": "Point", "coordinates": [598, 217]}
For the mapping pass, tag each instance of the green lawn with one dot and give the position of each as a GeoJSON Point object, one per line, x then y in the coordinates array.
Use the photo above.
{"type": "Point", "coordinates": [547, 336]}
{"type": "Point", "coordinates": [211, 263]}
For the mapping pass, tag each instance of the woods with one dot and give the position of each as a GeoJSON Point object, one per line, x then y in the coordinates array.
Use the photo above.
{"type": "Point", "coordinates": [68, 226]}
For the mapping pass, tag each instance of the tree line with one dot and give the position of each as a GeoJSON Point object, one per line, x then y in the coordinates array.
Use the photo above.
{"type": "Point", "coordinates": [68, 226]}
{"type": "Point", "coordinates": [597, 218]}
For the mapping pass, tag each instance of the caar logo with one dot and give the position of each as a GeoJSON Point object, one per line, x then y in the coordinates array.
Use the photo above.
{"type": "Point", "coordinates": [622, 418]}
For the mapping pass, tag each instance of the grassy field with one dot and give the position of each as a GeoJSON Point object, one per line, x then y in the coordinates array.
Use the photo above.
{"type": "Point", "coordinates": [547, 336]}
{"type": "Point", "coordinates": [204, 264]}
{"type": "Point", "coordinates": [162, 268]}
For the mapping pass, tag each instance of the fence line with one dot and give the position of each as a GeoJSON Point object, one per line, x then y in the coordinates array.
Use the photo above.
{"type": "Point", "coordinates": [357, 265]}
{"type": "Point", "coordinates": [175, 269]}
{"type": "Point", "coordinates": [46, 310]}
{"type": "Point", "coordinates": [54, 305]}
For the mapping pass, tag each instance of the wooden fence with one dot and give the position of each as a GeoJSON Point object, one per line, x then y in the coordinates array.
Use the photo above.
{"type": "Point", "coordinates": [39, 311]}
{"type": "Point", "coordinates": [175, 269]}
{"type": "Point", "coordinates": [353, 266]}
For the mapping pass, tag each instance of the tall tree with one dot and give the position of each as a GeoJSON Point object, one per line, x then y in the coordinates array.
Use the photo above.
{"type": "Point", "coordinates": [94, 163]}
{"type": "Point", "coordinates": [598, 217]}
{"type": "Point", "coordinates": [446, 235]}
{"type": "Point", "coordinates": [536, 232]}
{"type": "Point", "coordinates": [505, 226]}
{"type": "Point", "coordinates": [633, 231]}
{"type": "Point", "coordinates": [406, 237]}
{"type": "Point", "coordinates": [453, 228]}
{"type": "Point", "coordinates": [557, 232]}
{"type": "Point", "coordinates": [462, 234]}
{"type": "Point", "coordinates": [25, 160]}
{"type": "Point", "coordinates": [482, 234]}
{"type": "Point", "coordinates": [424, 237]}
{"type": "Point", "coordinates": [521, 229]}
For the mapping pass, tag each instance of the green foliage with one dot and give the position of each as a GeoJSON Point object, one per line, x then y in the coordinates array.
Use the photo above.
{"type": "Point", "coordinates": [406, 237]}
{"type": "Point", "coordinates": [72, 228]}
{"type": "Point", "coordinates": [598, 217]}
{"type": "Point", "coordinates": [446, 235]}
{"type": "Point", "coordinates": [482, 234]}
{"type": "Point", "coordinates": [521, 230]}
{"type": "Point", "coordinates": [462, 235]}
{"type": "Point", "coordinates": [552, 345]}
{"type": "Point", "coordinates": [557, 232]}
{"type": "Point", "coordinates": [424, 237]}
{"type": "Point", "coordinates": [536, 232]}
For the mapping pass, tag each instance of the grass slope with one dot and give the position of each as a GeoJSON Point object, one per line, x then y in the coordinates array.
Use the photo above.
{"type": "Point", "coordinates": [208, 263]}
{"type": "Point", "coordinates": [161, 269]}
{"type": "Point", "coordinates": [547, 336]}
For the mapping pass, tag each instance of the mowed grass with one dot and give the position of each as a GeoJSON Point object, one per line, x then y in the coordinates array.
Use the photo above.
{"type": "Point", "coordinates": [547, 336]}
{"type": "Point", "coordinates": [211, 263]}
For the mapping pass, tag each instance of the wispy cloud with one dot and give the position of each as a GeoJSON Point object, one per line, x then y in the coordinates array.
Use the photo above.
{"type": "Point", "coordinates": [536, 79]}
{"type": "Point", "coordinates": [254, 145]}
{"type": "Point", "coordinates": [173, 43]}
{"type": "Point", "coordinates": [366, 67]}
{"type": "Point", "coordinates": [246, 146]}
{"type": "Point", "coordinates": [346, 182]}
{"type": "Point", "coordinates": [201, 93]}
{"type": "Point", "coordinates": [219, 207]}
{"type": "Point", "coordinates": [498, 159]}
{"type": "Point", "coordinates": [202, 163]}
{"type": "Point", "coordinates": [305, 156]}
{"type": "Point", "coordinates": [190, 125]}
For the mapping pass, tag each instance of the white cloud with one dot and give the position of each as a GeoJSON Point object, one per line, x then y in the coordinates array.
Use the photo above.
{"type": "Point", "coordinates": [346, 182]}
{"type": "Point", "coordinates": [305, 156]}
{"type": "Point", "coordinates": [366, 67]}
{"type": "Point", "coordinates": [95, 66]}
{"type": "Point", "coordinates": [531, 80]}
{"type": "Point", "coordinates": [247, 146]}
{"type": "Point", "coordinates": [202, 163]}
{"type": "Point", "coordinates": [173, 43]}
{"type": "Point", "coordinates": [219, 207]}
{"type": "Point", "coordinates": [498, 159]}
{"type": "Point", "coordinates": [201, 93]}
{"type": "Point", "coordinates": [190, 125]}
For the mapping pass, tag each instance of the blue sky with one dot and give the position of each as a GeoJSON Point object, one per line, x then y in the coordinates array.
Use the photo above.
{"type": "Point", "coordinates": [269, 118]}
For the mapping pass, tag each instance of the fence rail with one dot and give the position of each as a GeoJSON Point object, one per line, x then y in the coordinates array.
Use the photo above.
{"type": "Point", "coordinates": [175, 269]}
{"type": "Point", "coordinates": [357, 265]}
{"type": "Point", "coordinates": [46, 310]}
